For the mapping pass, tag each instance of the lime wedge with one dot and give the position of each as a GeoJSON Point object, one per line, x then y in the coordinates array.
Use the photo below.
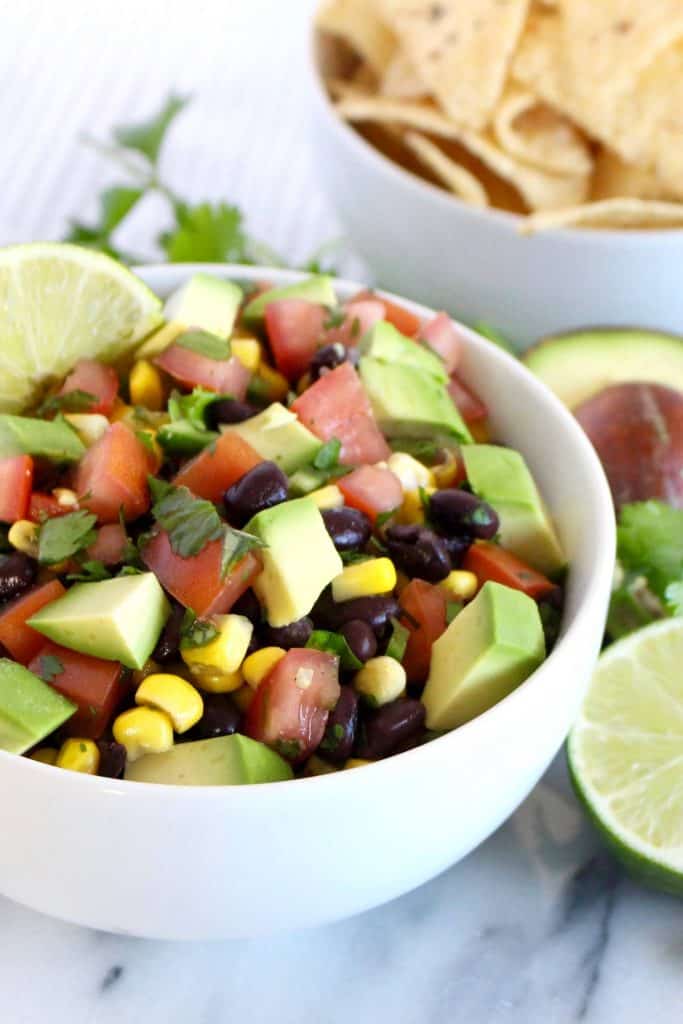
{"type": "Point", "coordinates": [60, 303]}
{"type": "Point", "coordinates": [626, 753]}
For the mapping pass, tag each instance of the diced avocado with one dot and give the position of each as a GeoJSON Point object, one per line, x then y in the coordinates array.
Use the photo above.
{"type": "Point", "coordinates": [224, 761]}
{"type": "Point", "coordinates": [298, 562]}
{"type": "Point", "coordinates": [385, 343]}
{"type": "Point", "coordinates": [206, 302]}
{"type": "Point", "coordinates": [50, 439]}
{"type": "Point", "coordinates": [318, 289]}
{"type": "Point", "coordinates": [118, 620]}
{"type": "Point", "coordinates": [277, 435]}
{"type": "Point", "coordinates": [578, 365]}
{"type": "Point", "coordinates": [29, 708]}
{"type": "Point", "coordinates": [305, 480]}
{"type": "Point", "coordinates": [501, 477]}
{"type": "Point", "coordinates": [411, 404]}
{"type": "Point", "coordinates": [494, 643]}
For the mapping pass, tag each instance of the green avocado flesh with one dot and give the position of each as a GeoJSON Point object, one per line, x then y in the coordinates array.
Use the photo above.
{"type": "Point", "coordinates": [29, 709]}
{"type": "Point", "coordinates": [224, 761]}
{"type": "Point", "coordinates": [578, 365]}
{"type": "Point", "coordinates": [205, 302]}
{"type": "Point", "coordinates": [492, 646]}
{"type": "Point", "coordinates": [314, 289]}
{"type": "Point", "coordinates": [118, 619]}
{"type": "Point", "coordinates": [49, 439]}
{"type": "Point", "coordinates": [385, 343]}
{"type": "Point", "coordinates": [278, 436]}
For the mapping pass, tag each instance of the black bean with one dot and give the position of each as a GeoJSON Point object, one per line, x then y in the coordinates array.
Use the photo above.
{"type": "Point", "coordinates": [349, 528]}
{"type": "Point", "coordinates": [327, 358]}
{"type": "Point", "coordinates": [383, 731]}
{"type": "Point", "coordinates": [377, 611]}
{"type": "Point", "coordinates": [420, 552]}
{"type": "Point", "coordinates": [248, 605]}
{"type": "Point", "coordinates": [220, 718]}
{"type": "Point", "coordinates": [228, 410]}
{"type": "Point", "coordinates": [168, 644]}
{"type": "Point", "coordinates": [360, 638]}
{"type": "Point", "coordinates": [296, 634]}
{"type": "Point", "coordinates": [458, 512]}
{"type": "Point", "coordinates": [340, 733]}
{"type": "Point", "coordinates": [457, 549]}
{"type": "Point", "coordinates": [262, 487]}
{"type": "Point", "coordinates": [17, 573]}
{"type": "Point", "coordinates": [112, 759]}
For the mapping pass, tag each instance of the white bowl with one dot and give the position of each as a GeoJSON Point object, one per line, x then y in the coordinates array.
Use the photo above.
{"type": "Point", "coordinates": [185, 863]}
{"type": "Point", "coordinates": [424, 243]}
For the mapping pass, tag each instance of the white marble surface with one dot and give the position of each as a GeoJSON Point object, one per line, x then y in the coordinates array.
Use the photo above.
{"type": "Point", "coordinates": [535, 927]}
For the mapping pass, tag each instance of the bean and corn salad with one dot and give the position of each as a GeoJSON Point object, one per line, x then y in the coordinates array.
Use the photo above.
{"type": "Point", "coordinates": [241, 532]}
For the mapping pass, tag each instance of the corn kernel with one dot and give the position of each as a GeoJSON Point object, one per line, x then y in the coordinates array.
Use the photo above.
{"type": "Point", "coordinates": [480, 431]}
{"type": "Point", "coordinates": [248, 351]}
{"type": "Point", "coordinates": [145, 386]}
{"type": "Point", "coordinates": [79, 756]}
{"type": "Point", "coordinates": [215, 666]}
{"type": "Point", "coordinates": [316, 766]}
{"type": "Point", "coordinates": [121, 411]}
{"type": "Point", "coordinates": [410, 472]}
{"type": "Point", "coordinates": [23, 535]}
{"type": "Point", "coordinates": [161, 339]}
{"type": "Point", "coordinates": [277, 385]}
{"type": "Point", "coordinates": [257, 666]}
{"type": "Point", "coordinates": [447, 473]}
{"type": "Point", "coordinates": [460, 585]}
{"type": "Point", "coordinates": [46, 755]}
{"type": "Point", "coordinates": [174, 695]}
{"type": "Point", "coordinates": [66, 498]}
{"type": "Point", "coordinates": [243, 697]}
{"type": "Point", "coordinates": [90, 426]}
{"type": "Point", "coordinates": [356, 762]}
{"type": "Point", "coordinates": [143, 731]}
{"type": "Point", "coordinates": [327, 497]}
{"type": "Point", "coordinates": [380, 680]}
{"type": "Point", "coordinates": [364, 579]}
{"type": "Point", "coordinates": [412, 510]}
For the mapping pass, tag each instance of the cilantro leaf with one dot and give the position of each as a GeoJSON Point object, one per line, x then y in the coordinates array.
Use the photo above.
{"type": "Point", "coordinates": [147, 137]}
{"type": "Point", "coordinates": [327, 456]}
{"type": "Point", "coordinates": [384, 517]}
{"type": "Point", "coordinates": [335, 317]}
{"type": "Point", "coordinates": [236, 544]}
{"type": "Point", "coordinates": [72, 401]}
{"type": "Point", "coordinates": [195, 632]}
{"type": "Point", "coordinates": [398, 640]}
{"type": "Point", "coordinates": [334, 643]}
{"type": "Point", "coordinates": [115, 204]}
{"type": "Point", "coordinates": [453, 608]}
{"type": "Point", "coordinates": [91, 571]}
{"type": "Point", "coordinates": [421, 449]}
{"type": "Point", "coordinates": [210, 233]}
{"type": "Point", "coordinates": [650, 543]}
{"type": "Point", "coordinates": [49, 667]}
{"type": "Point", "coordinates": [205, 344]}
{"type": "Point", "coordinates": [61, 537]}
{"type": "Point", "coordinates": [191, 523]}
{"type": "Point", "coordinates": [187, 432]}
{"type": "Point", "coordinates": [192, 407]}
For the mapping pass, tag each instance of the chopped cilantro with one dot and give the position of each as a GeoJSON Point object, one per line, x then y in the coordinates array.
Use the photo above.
{"type": "Point", "coordinates": [650, 542]}
{"type": "Point", "coordinates": [327, 456]}
{"type": "Point", "coordinates": [49, 667]}
{"type": "Point", "coordinates": [191, 523]}
{"type": "Point", "coordinates": [453, 608]}
{"type": "Point", "coordinates": [205, 344]}
{"type": "Point", "coordinates": [196, 632]}
{"type": "Point", "coordinates": [72, 401]}
{"type": "Point", "coordinates": [398, 641]}
{"type": "Point", "coordinates": [333, 737]}
{"type": "Point", "coordinates": [384, 517]}
{"type": "Point", "coordinates": [335, 318]}
{"type": "Point", "coordinates": [289, 749]}
{"type": "Point", "coordinates": [334, 643]}
{"type": "Point", "coordinates": [422, 450]}
{"type": "Point", "coordinates": [147, 137]}
{"type": "Point", "coordinates": [90, 571]}
{"type": "Point", "coordinates": [63, 536]}
{"type": "Point", "coordinates": [236, 543]}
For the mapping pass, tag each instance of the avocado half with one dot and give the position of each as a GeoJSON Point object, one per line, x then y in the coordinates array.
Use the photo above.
{"type": "Point", "coordinates": [579, 364]}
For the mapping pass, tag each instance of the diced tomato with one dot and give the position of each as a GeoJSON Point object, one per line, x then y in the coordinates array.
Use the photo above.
{"type": "Point", "coordinates": [109, 545]}
{"type": "Point", "coordinates": [112, 476]}
{"type": "Point", "coordinates": [20, 640]}
{"type": "Point", "coordinates": [359, 317]}
{"type": "Point", "coordinates": [490, 562]}
{"type": "Point", "coordinates": [294, 328]}
{"type": "Point", "coordinates": [290, 708]}
{"type": "Point", "coordinates": [469, 405]}
{"type": "Point", "coordinates": [371, 489]}
{"type": "Point", "coordinates": [45, 506]}
{"type": "Point", "coordinates": [443, 337]}
{"type": "Point", "coordinates": [405, 322]}
{"type": "Point", "coordinates": [95, 379]}
{"type": "Point", "coordinates": [16, 480]}
{"type": "Point", "coordinates": [425, 616]}
{"type": "Point", "coordinates": [218, 467]}
{"type": "Point", "coordinates": [94, 685]}
{"type": "Point", "coordinates": [225, 376]}
{"type": "Point", "coordinates": [197, 582]}
{"type": "Point", "coordinates": [337, 406]}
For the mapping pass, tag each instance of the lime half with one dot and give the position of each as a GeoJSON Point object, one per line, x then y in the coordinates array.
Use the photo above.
{"type": "Point", "coordinates": [626, 753]}
{"type": "Point", "coordinates": [60, 303]}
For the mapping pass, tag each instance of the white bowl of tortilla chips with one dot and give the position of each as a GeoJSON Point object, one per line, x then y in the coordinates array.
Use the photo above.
{"type": "Point", "coordinates": [517, 161]}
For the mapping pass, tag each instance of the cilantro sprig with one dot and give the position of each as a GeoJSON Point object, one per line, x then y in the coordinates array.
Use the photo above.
{"type": "Point", "coordinates": [62, 537]}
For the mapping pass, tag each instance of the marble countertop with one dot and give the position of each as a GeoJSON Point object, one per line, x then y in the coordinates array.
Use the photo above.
{"type": "Point", "coordinates": [537, 925]}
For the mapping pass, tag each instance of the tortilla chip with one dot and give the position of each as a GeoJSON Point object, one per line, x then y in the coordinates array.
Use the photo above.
{"type": "Point", "coordinates": [527, 128]}
{"type": "Point", "coordinates": [608, 213]}
{"type": "Point", "coordinates": [613, 177]}
{"type": "Point", "coordinates": [401, 81]}
{"type": "Point", "coordinates": [357, 24]}
{"type": "Point", "coordinates": [541, 191]}
{"type": "Point", "coordinates": [460, 48]}
{"type": "Point", "coordinates": [453, 175]}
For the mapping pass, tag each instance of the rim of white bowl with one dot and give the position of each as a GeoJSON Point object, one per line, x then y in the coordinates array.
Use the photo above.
{"type": "Point", "coordinates": [597, 237]}
{"type": "Point", "coordinates": [602, 539]}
